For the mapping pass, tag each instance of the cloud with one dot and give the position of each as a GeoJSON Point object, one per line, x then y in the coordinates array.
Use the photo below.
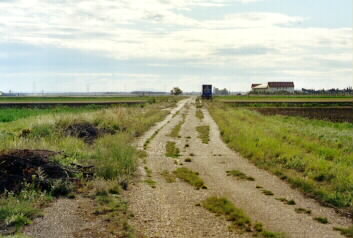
{"type": "Point", "coordinates": [155, 37]}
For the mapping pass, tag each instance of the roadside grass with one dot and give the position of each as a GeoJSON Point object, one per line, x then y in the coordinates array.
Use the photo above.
{"type": "Point", "coordinates": [172, 150]}
{"type": "Point", "coordinates": [190, 177]}
{"type": "Point", "coordinates": [204, 133]}
{"type": "Point", "coordinates": [347, 232]}
{"type": "Point", "coordinates": [240, 175]}
{"type": "Point", "coordinates": [314, 156]}
{"type": "Point", "coordinates": [199, 114]}
{"type": "Point", "coordinates": [112, 156]}
{"type": "Point", "coordinates": [239, 220]}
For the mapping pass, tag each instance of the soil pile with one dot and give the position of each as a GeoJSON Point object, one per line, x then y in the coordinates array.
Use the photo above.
{"type": "Point", "coordinates": [18, 167]}
{"type": "Point", "coordinates": [86, 131]}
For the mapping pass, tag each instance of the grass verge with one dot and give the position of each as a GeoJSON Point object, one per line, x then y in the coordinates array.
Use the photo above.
{"type": "Point", "coordinates": [347, 232]}
{"type": "Point", "coordinates": [314, 156]}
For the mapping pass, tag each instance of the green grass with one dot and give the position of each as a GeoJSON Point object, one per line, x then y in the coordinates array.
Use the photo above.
{"type": "Point", "coordinates": [204, 133]}
{"type": "Point", "coordinates": [240, 175]}
{"type": "Point", "coordinates": [13, 114]}
{"type": "Point", "coordinates": [151, 183]}
{"type": "Point", "coordinates": [199, 114]}
{"type": "Point", "coordinates": [302, 211]}
{"type": "Point", "coordinates": [267, 192]}
{"type": "Point", "coordinates": [286, 201]}
{"type": "Point", "coordinates": [347, 232]}
{"type": "Point", "coordinates": [312, 155]}
{"type": "Point", "coordinates": [281, 97]}
{"type": "Point", "coordinates": [172, 150]}
{"type": "Point", "coordinates": [190, 177]}
{"type": "Point", "coordinates": [239, 220]}
{"type": "Point", "coordinates": [113, 156]}
{"type": "Point", "coordinates": [322, 220]}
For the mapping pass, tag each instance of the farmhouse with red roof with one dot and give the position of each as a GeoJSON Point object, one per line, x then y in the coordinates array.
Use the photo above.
{"type": "Point", "coordinates": [273, 87]}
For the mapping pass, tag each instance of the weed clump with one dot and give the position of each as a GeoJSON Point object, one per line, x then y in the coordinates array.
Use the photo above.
{"type": "Point", "coordinates": [190, 177]}
{"type": "Point", "coordinates": [240, 175]}
{"type": "Point", "coordinates": [322, 220]}
{"type": "Point", "coordinates": [239, 220]}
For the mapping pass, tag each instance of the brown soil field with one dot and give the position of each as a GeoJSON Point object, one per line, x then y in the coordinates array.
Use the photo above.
{"type": "Point", "coordinates": [335, 114]}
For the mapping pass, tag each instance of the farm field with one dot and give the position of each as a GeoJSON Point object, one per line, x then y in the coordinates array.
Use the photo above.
{"type": "Point", "coordinates": [285, 98]}
{"type": "Point", "coordinates": [312, 155]}
{"type": "Point", "coordinates": [13, 114]}
{"type": "Point", "coordinates": [334, 114]}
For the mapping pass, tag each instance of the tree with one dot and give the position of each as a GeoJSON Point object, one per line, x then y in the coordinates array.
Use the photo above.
{"type": "Point", "coordinates": [176, 91]}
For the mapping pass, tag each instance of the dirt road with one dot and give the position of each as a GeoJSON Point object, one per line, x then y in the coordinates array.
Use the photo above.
{"type": "Point", "coordinates": [169, 210]}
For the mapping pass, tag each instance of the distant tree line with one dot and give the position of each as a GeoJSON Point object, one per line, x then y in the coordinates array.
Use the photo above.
{"type": "Point", "coordinates": [334, 91]}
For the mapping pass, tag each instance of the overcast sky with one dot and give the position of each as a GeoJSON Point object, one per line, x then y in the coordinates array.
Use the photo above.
{"type": "Point", "coordinates": [124, 45]}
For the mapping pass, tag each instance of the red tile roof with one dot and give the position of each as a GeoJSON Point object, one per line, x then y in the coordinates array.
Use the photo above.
{"type": "Point", "coordinates": [255, 85]}
{"type": "Point", "coordinates": [281, 84]}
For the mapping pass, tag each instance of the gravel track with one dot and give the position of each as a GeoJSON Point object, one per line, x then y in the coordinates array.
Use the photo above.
{"type": "Point", "coordinates": [169, 210]}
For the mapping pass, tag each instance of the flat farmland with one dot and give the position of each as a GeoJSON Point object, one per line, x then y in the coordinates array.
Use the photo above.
{"type": "Point", "coordinates": [334, 114]}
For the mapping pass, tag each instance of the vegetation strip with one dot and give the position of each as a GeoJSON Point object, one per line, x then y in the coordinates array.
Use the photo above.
{"type": "Point", "coordinates": [239, 220]}
{"type": "Point", "coordinates": [314, 156]}
{"type": "Point", "coordinates": [175, 131]}
{"type": "Point", "coordinates": [204, 133]}
{"type": "Point", "coordinates": [190, 177]}
{"type": "Point", "coordinates": [199, 114]}
{"type": "Point", "coordinates": [347, 232]}
{"type": "Point", "coordinates": [240, 175]}
{"type": "Point", "coordinates": [171, 150]}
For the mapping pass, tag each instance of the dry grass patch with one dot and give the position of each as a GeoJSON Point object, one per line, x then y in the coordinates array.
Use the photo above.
{"type": "Point", "coordinates": [302, 211]}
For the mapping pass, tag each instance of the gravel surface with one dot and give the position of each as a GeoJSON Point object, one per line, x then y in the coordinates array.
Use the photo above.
{"type": "Point", "coordinates": [169, 209]}
{"type": "Point", "coordinates": [61, 220]}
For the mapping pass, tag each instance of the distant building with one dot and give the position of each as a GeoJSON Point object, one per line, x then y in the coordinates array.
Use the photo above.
{"type": "Point", "coordinates": [273, 87]}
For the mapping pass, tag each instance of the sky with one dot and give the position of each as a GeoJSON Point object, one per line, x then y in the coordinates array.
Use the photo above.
{"type": "Point", "coordinates": [127, 45]}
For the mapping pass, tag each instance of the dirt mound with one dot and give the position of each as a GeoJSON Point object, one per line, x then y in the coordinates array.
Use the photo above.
{"type": "Point", "coordinates": [86, 131]}
{"type": "Point", "coordinates": [18, 167]}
